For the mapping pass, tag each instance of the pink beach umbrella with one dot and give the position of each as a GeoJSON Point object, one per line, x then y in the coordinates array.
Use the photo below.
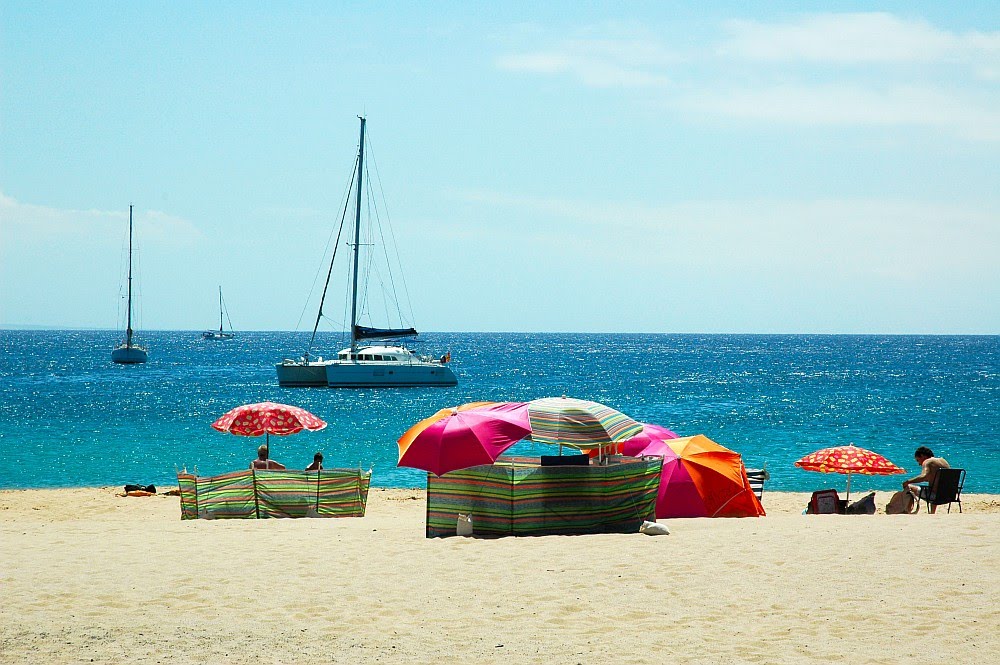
{"type": "Point", "coordinates": [650, 441]}
{"type": "Point", "coordinates": [463, 436]}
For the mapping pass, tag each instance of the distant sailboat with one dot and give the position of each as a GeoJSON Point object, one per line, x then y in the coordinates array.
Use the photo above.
{"type": "Point", "coordinates": [386, 365]}
{"type": "Point", "coordinates": [128, 353]}
{"type": "Point", "coordinates": [220, 334]}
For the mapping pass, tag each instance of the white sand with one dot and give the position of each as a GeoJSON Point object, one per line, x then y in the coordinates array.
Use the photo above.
{"type": "Point", "coordinates": [125, 580]}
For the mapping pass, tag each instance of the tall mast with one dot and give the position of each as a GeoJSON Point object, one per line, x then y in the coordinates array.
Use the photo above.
{"type": "Point", "coordinates": [357, 240]}
{"type": "Point", "coordinates": [128, 329]}
{"type": "Point", "coordinates": [220, 308]}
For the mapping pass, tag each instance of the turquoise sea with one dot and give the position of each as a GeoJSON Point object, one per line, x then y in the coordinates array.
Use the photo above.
{"type": "Point", "coordinates": [69, 417]}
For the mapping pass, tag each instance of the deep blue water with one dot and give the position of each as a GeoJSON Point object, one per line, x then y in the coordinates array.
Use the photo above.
{"type": "Point", "coordinates": [69, 417]}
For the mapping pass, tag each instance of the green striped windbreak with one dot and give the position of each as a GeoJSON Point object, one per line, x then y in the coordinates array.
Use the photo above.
{"type": "Point", "coordinates": [187, 483]}
{"type": "Point", "coordinates": [521, 499]}
{"type": "Point", "coordinates": [578, 423]}
{"type": "Point", "coordinates": [256, 493]}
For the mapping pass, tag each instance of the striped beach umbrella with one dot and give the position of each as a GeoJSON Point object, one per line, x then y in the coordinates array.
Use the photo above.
{"type": "Point", "coordinates": [650, 441]}
{"type": "Point", "coordinates": [847, 460]}
{"type": "Point", "coordinates": [578, 423]}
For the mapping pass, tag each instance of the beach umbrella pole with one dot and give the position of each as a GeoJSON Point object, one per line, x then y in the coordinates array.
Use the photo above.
{"type": "Point", "coordinates": [848, 499]}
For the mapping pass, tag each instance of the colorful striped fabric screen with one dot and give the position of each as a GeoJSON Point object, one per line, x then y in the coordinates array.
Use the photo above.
{"type": "Point", "coordinates": [518, 497]}
{"type": "Point", "coordinates": [578, 423]}
{"type": "Point", "coordinates": [262, 494]}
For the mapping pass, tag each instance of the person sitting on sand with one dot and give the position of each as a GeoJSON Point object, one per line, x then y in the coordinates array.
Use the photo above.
{"type": "Point", "coordinates": [262, 462]}
{"type": "Point", "coordinates": [317, 463]}
{"type": "Point", "coordinates": [929, 469]}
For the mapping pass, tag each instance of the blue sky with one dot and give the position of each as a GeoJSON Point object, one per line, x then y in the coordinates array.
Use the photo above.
{"type": "Point", "coordinates": [647, 167]}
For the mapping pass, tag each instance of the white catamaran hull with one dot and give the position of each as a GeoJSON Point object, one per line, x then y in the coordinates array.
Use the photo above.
{"type": "Point", "coordinates": [295, 374]}
{"type": "Point", "coordinates": [337, 374]}
{"type": "Point", "coordinates": [378, 375]}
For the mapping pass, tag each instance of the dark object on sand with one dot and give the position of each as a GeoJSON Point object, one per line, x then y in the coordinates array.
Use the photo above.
{"type": "Point", "coordinates": [565, 460]}
{"type": "Point", "coordinates": [863, 506]}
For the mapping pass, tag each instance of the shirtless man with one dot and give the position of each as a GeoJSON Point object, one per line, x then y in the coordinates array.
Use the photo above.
{"type": "Point", "coordinates": [317, 463]}
{"type": "Point", "coordinates": [929, 468]}
{"type": "Point", "coordinates": [262, 462]}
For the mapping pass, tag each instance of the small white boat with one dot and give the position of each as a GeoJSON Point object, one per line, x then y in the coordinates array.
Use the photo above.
{"type": "Point", "coordinates": [129, 353]}
{"type": "Point", "coordinates": [220, 334]}
{"type": "Point", "coordinates": [375, 366]}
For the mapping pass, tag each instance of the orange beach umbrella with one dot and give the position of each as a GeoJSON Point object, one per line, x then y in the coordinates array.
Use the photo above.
{"type": "Point", "coordinates": [700, 478]}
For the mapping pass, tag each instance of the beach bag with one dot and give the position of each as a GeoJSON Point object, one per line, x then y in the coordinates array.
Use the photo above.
{"type": "Point", "coordinates": [463, 526]}
{"type": "Point", "coordinates": [863, 506]}
{"type": "Point", "coordinates": [654, 529]}
{"type": "Point", "coordinates": [824, 502]}
{"type": "Point", "coordinates": [902, 503]}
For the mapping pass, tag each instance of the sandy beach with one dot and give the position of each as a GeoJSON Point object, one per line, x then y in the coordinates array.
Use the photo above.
{"type": "Point", "coordinates": [88, 576]}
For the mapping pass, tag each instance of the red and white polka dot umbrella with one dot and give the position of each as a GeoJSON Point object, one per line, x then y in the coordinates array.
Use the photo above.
{"type": "Point", "coordinates": [267, 418]}
{"type": "Point", "coordinates": [847, 460]}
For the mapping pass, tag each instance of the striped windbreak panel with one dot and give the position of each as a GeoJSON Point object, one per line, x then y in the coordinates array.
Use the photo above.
{"type": "Point", "coordinates": [227, 496]}
{"type": "Point", "coordinates": [578, 423]}
{"type": "Point", "coordinates": [189, 500]}
{"type": "Point", "coordinates": [533, 500]}
{"type": "Point", "coordinates": [343, 493]}
{"type": "Point", "coordinates": [264, 493]}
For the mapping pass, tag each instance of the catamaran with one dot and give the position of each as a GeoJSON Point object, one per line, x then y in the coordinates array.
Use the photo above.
{"type": "Point", "coordinates": [220, 334]}
{"type": "Point", "coordinates": [389, 364]}
{"type": "Point", "coordinates": [128, 353]}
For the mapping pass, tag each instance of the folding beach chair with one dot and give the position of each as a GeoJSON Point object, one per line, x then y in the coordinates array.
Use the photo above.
{"type": "Point", "coordinates": [757, 478]}
{"type": "Point", "coordinates": [946, 489]}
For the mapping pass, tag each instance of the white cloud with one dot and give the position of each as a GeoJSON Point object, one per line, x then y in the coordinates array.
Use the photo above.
{"type": "Point", "coordinates": [852, 105]}
{"type": "Point", "coordinates": [26, 223]}
{"type": "Point", "coordinates": [599, 63]}
{"type": "Point", "coordinates": [803, 72]}
{"type": "Point", "coordinates": [881, 239]}
{"type": "Point", "coordinates": [859, 38]}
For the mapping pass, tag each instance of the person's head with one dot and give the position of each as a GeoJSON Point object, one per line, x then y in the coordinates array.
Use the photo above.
{"type": "Point", "coordinates": [262, 452]}
{"type": "Point", "coordinates": [318, 457]}
{"type": "Point", "coordinates": [922, 454]}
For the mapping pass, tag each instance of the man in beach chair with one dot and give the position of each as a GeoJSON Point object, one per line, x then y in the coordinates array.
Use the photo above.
{"type": "Point", "coordinates": [945, 490]}
{"type": "Point", "coordinates": [929, 466]}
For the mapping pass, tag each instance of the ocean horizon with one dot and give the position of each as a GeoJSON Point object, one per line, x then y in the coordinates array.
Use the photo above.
{"type": "Point", "coordinates": [70, 417]}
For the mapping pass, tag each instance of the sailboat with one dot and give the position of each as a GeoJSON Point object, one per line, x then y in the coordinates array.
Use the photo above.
{"type": "Point", "coordinates": [389, 364]}
{"type": "Point", "coordinates": [220, 334]}
{"type": "Point", "coordinates": [128, 353]}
